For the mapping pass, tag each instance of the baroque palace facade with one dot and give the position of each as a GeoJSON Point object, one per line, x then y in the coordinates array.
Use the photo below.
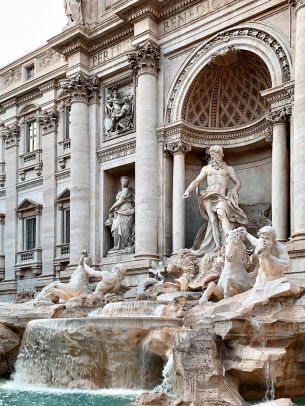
{"type": "Point", "coordinates": [121, 106]}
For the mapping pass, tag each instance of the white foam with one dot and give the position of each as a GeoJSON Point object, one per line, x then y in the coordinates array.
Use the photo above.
{"type": "Point", "coordinates": [10, 385]}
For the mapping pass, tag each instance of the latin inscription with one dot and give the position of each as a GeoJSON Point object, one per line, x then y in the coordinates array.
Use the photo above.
{"type": "Point", "coordinates": [193, 13]}
{"type": "Point", "coordinates": [110, 53]}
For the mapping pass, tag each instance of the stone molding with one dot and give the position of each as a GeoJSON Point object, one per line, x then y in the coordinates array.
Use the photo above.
{"type": "Point", "coordinates": [48, 121]}
{"type": "Point", "coordinates": [194, 136]}
{"type": "Point", "coordinates": [178, 147]}
{"type": "Point", "coordinates": [117, 151]}
{"type": "Point", "coordinates": [224, 38]}
{"type": "Point", "coordinates": [81, 88]}
{"type": "Point", "coordinates": [144, 59]}
{"type": "Point", "coordinates": [280, 116]}
{"type": "Point", "coordinates": [297, 3]}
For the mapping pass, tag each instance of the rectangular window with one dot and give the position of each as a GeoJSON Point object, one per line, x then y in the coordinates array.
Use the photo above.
{"type": "Point", "coordinates": [67, 122]}
{"type": "Point", "coordinates": [31, 136]}
{"type": "Point", "coordinates": [30, 233]}
{"type": "Point", "coordinates": [66, 238]}
{"type": "Point", "coordinates": [29, 72]}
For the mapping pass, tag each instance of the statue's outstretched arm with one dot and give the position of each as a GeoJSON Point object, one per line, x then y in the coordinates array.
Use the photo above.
{"type": "Point", "coordinates": [196, 182]}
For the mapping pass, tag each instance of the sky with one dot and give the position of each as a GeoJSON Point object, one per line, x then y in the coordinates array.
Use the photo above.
{"type": "Point", "coordinates": [26, 25]}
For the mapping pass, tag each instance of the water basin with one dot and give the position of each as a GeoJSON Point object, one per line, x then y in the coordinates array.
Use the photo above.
{"type": "Point", "coordinates": [33, 396]}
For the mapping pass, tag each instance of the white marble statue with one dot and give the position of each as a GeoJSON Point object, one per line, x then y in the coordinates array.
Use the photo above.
{"type": "Point", "coordinates": [121, 220]}
{"type": "Point", "coordinates": [272, 255]}
{"type": "Point", "coordinates": [111, 283]}
{"type": "Point", "coordinates": [217, 204]}
{"type": "Point", "coordinates": [234, 278]}
{"type": "Point", "coordinates": [73, 10]}
{"type": "Point", "coordinates": [77, 286]}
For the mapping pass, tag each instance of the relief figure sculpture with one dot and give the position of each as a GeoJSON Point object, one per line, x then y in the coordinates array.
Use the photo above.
{"type": "Point", "coordinates": [121, 220]}
{"type": "Point", "coordinates": [73, 10]}
{"type": "Point", "coordinates": [217, 204]}
{"type": "Point", "coordinates": [119, 109]}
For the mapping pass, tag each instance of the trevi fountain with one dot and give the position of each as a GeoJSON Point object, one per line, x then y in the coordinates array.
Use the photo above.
{"type": "Point", "coordinates": [152, 208]}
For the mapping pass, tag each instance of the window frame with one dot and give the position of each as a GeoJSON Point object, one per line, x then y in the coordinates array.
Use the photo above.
{"type": "Point", "coordinates": [27, 220]}
{"type": "Point", "coordinates": [31, 140]}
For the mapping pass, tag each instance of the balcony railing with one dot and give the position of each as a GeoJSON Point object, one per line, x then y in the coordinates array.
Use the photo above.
{"type": "Point", "coordinates": [29, 256]}
{"type": "Point", "coordinates": [62, 251]}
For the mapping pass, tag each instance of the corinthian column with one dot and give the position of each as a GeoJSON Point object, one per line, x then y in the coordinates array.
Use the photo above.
{"type": "Point", "coordinates": [280, 173]}
{"type": "Point", "coordinates": [299, 124]}
{"type": "Point", "coordinates": [144, 63]}
{"type": "Point", "coordinates": [81, 89]}
{"type": "Point", "coordinates": [178, 149]}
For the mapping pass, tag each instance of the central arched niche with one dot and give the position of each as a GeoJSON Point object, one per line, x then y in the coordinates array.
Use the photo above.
{"type": "Point", "coordinates": [226, 94]}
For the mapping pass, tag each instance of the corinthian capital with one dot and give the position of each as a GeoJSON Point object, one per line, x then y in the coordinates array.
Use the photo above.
{"type": "Point", "coordinates": [81, 88]}
{"type": "Point", "coordinates": [11, 136]}
{"type": "Point", "coordinates": [178, 147]}
{"type": "Point", "coordinates": [279, 116]}
{"type": "Point", "coordinates": [144, 59]}
{"type": "Point", "coordinates": [48, 120]}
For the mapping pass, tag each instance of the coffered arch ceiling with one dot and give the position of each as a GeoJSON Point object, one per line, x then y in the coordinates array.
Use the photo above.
{"type": "Point", "coordinates": [226, 93]}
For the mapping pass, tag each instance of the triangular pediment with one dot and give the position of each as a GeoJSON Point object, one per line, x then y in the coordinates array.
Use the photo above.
{"type": "Point", "coordinates": [28, 204]}
{"type": "Point", "coordinates": [64, 196]}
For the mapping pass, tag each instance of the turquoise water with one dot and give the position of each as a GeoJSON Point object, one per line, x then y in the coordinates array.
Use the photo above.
{"type": "Point", "coordinates": [56, 397]}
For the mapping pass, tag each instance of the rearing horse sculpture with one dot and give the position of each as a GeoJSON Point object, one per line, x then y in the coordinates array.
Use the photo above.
{"type": "Point", "coordinates": [234, 278]}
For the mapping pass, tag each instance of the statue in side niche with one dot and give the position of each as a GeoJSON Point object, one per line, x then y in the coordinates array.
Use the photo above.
{"type": "Point", "coordinates": [272, 255]}
{"type": "Point", "coordinates": [217, 204]}
{"type": "Point", "coordinates": [119, 109]}
{"type": "Point", "coordinates": [73, 10]}
{"type": "Point", "coordinates": [76, 287]}
{"type": "Point", "coordinates": [121, 220]}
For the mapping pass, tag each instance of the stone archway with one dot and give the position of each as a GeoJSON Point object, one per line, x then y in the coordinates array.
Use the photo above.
{"type": "Point", "coordinates": [254, 38]}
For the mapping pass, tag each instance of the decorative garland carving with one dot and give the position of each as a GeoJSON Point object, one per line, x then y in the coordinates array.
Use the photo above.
{"type": "Point", "coordinates": [224, 38]}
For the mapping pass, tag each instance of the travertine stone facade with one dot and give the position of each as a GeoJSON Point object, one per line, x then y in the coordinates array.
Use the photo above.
{"type": "Point", "coordinates": [142, 89]}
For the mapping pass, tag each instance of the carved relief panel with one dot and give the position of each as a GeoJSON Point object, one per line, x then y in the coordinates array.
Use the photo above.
{"type": "Point", "coordinates": [118, 108]}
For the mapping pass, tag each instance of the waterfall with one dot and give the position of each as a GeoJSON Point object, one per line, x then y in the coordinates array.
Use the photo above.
{"type": "Point", "coordinates": [269, 367]}
{"type": "Point", "coordinates": [167, 374]}
{"type": "Point", "coordinates": [93, 352]}
{"type": "Point", "coordinates": [130, 309]}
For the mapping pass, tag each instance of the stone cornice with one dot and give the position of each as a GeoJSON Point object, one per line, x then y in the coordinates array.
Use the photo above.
{"type": "Point", "coordinates": [194, 136]}
{"type": "Point", "coordinates": [144, 59]}
{"type": "Point", "coordinates": [109, 39]}
{"type": "Point", "coordinates": [280, 96]}
{"type": "Point", "coordinates": [116, 151]}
